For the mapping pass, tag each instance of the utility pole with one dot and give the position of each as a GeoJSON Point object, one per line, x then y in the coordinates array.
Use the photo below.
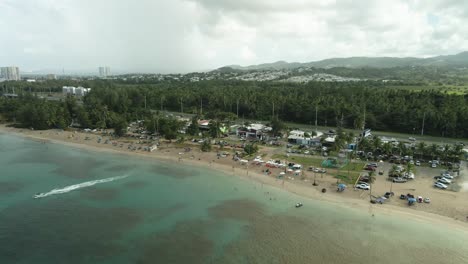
{"type": "Point", "coordinates": [342, 120]}
{"type": "Point", "coordinates": [157, 124]}
{"type": "Point", "coordinates": [273, 111]}
{"type": "Point", "coordinates": [181, 106]}
{"type": "Point", "coordinates": [422, 128]}
{"type": "Point", "coordinates": [316, 118]}
{"type": "Point", "coordinates": [237, 107]}
{"type": "Point", "coordinates": [364, 121]}
{"type": "Point", "coordinates": [201, 106]}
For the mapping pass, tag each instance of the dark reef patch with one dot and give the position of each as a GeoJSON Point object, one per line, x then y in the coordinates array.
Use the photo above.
{"type": "Point", "coordinates": [186, 243]}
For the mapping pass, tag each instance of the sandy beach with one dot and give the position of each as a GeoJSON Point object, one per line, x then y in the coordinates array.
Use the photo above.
{"type": "Point", "coordinates": [446, 207]}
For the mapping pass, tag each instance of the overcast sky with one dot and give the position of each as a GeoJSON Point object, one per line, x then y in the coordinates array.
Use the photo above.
{"type": "Point", "coordinates": [196, 35]}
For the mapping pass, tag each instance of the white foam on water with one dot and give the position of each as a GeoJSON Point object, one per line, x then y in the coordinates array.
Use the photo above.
{"type": "Point", "coordinates": [78, 186]}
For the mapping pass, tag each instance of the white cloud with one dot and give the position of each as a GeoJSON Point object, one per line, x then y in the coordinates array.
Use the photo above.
{"type": "Point", "coordinates": [186, 35]}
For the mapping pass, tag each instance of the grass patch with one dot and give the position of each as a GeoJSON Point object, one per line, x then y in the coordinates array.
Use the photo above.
{"type": "Point", "coordinates": [345, 176]}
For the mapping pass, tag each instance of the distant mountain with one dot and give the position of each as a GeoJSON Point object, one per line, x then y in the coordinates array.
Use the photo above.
{"type": "Point", "coordinates": [458, 60]}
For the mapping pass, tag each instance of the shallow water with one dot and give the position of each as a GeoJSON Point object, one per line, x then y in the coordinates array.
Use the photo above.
{"type": "Point", "coordinates": [166, 213]}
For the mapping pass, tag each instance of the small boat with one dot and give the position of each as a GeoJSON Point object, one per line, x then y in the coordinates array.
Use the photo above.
{"type": "Point", "coordinates": [39, 195]}
{"type": "Point", "coordinates": [299, 205]}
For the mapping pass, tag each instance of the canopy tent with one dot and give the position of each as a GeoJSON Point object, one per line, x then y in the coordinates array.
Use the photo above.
{"type": "Point", "coordinates": [339, 162]}
{"type": "Point", "coordinates": [341, 187]}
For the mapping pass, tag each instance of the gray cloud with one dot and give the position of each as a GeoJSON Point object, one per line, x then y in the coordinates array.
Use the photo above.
{"type": "Point", "coordinates": [189, 35]}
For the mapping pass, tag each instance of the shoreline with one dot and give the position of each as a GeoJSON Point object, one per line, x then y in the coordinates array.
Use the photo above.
{"type": "Point", "coordinates": [229, 168]}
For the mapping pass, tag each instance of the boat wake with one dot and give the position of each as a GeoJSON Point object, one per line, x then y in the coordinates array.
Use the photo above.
{"type": "Point", "coordinates": [77, 186]}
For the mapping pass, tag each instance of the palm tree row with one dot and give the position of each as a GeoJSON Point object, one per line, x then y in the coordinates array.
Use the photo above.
{"type": "Point", "coordinates": [422, 151]}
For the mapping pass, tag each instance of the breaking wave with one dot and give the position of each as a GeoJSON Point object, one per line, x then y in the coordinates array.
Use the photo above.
{"type": "Point", "coordinates": [77, 186]}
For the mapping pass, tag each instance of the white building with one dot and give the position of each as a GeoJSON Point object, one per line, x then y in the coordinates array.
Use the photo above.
{"type": "Point", "coordinates": [104, 72]}
{"type": "Point", "coordinates": [299, 137]}
{"type": "Point", "coordinates": [78, 91]}
{"type": "Point", "coordinates": [10, 73]}
{"type": "Point", "coordinates": [68, 90]}
{"type": "Point", "coordinates": [81, 91]}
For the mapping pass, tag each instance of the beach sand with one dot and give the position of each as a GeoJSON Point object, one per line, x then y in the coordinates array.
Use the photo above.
{"type": "Point", "coordinates": [447, 207]}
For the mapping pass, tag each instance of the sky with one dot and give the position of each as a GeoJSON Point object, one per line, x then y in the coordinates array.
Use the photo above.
{"type": "Point", "coordinates": [173, 36]}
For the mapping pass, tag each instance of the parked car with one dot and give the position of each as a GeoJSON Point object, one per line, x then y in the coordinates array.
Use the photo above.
{"type": "Point", "coordinates": [306, 152]}
{"type": "Point", "coordinates": [448, 176]}
{"type": "Point", "coordinates": [363, 187]}
{"type": "Point", "coordinates": [399, 180]}
{"type": "Point", "coordinates": [370, 168]}
{"type": "Point", "coordinates": [433, 165]}
{"type": "Point", "coordinates": [438, 177]}
{"type": "Point", "coordinates": [409, 175]}
{"type": "Point", "coordinates": [362, 183]}
{"type": "Point", "coordinates": [417, 163]}
{"type": "Point", "coordinates": [427, 200]}
{"type": "Point", "coordinates": [445, 181]}
{"type": "Point", "coordinates": [440, 185]}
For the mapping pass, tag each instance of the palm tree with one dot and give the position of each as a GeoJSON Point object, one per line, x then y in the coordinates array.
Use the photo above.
{"type": "Point", "coordinates": [457, 151]}
{"type": "Point", "coordinates": [386, 148]}
{"type": "Point", "coordinates": [434, 150]}
{"type": "Point", "coordinates": [421, 149]}
{"type": "Point", "coordinates": [409, 167]}
{"type": "Point", "coordinates": [392, 170]}
{"type": "Point", "coordinates": [372, 176]}
{"type": "Point", "coordinates": [447, 152]}
{"type": "Point", "coordinates": [376, 143]}
{"type": "Point", "coordinates": [402, 148]}
{"type": "Point", "coordinates": [371, 180]}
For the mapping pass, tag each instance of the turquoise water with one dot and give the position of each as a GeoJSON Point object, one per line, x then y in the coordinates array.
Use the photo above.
{"type": "Point", "coordinates": [166, 213]}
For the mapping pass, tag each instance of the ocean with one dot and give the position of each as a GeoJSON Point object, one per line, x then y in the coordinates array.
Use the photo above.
{"type": "Point", "coordinates": [96, 207]}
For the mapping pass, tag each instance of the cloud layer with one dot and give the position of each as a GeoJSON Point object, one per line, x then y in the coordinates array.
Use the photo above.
{"type": "Point", "coordinates": [191, 35]}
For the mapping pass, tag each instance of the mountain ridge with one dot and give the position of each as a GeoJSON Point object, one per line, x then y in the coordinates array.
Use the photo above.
{"type": "Point", "coordinates": [456, 60]}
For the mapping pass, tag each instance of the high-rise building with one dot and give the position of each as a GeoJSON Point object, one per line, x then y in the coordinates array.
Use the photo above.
{"type": "Point", "coordinates": [104, 71]}
{"type": "Point", "coordinates": [10, 73]}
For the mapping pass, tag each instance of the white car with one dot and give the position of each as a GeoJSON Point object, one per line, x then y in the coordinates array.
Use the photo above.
{"type": "Point", "coordinates": [306, 152]}
{"type": "Point", "coordinates": [409, 175]}
{"type": "Point", "coordinates": [417, 163]}
{"type": "Point", "coordinates": [363, 186]}
{"type": "Point", "coordinates": [440, 185]}
{"type": "Point", "coordinates": [447, 176]}
{"type": "Point", "coordinates": [445, 180]}
{"type": "Point", "coordinates": [427, 200]}
{"type": "Point", "coordinates": [433, 165]}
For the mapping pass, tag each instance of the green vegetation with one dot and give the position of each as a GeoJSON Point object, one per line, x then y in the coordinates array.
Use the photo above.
{"type": "Point", "coordinates": [206, 146]}
{"type": "Point", "coordinates": [420, 150]}
{"type": "Point", "coordinates": [251, 149]}
{"type": "Point", "coordinates": [339, 105]}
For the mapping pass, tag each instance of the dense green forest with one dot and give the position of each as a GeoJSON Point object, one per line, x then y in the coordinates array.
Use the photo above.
{"type": "Point", "coordinates": [346, 104]}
